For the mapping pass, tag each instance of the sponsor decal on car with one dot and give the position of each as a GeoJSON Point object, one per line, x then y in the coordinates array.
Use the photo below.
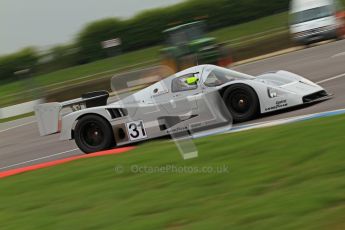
{"type": "Point", "coordinates": [178, 129]}
{"type": "Point", "coordinates": [279, 105]}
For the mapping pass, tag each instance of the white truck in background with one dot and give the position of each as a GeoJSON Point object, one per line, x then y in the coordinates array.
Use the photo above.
{"type": "Point", "coordinates": [316, 20]}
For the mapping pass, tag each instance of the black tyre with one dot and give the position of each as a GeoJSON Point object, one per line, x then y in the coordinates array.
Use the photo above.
{"type": "Point", "coordinates": [242, 102]}
{"type": "Point", "coordinates": [93, 133]}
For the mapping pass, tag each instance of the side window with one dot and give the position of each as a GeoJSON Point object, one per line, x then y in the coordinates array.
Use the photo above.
{"type": "Point", "coordinates": [181, 83]}
{"type": "Point", "coordinates": [218, 77]}
{"type": "Point", "coordinates": [212, 80]}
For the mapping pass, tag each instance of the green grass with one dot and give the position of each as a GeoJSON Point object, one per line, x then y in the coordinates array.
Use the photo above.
{"type": "Point", "coordinates": [122, 61]}
{"type": "Point", "coordinates": [254, 27]}
{"type": "Point", "coordinates": [16, 117]}
{"type": "Point", "coordinates": [97, 67]}
{"type": "Point", "coordinates": [285, 177]}
{"type": "Point", "coordinates": [129, 59]}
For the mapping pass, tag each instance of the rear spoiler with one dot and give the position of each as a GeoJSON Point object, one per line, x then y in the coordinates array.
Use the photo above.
{"type": "Point", "coordinates": [49, 115]}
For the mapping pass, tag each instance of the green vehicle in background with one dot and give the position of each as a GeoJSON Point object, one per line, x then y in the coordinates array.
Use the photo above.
{"type": "Point", "coordinates": [188, 45]}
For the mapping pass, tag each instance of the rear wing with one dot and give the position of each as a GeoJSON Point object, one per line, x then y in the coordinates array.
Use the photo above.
{"type": "Point", "coordinates": [49, 115]}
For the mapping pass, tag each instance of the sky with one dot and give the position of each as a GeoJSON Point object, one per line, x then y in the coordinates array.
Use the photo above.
{"type": "Point", "coordinates": [44, 23]}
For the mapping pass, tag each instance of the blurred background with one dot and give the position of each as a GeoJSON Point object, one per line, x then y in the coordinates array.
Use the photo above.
{"type": "Point", "coordinates": [284, 177]}
{"type": "Point", "coordinates": [55, 51]}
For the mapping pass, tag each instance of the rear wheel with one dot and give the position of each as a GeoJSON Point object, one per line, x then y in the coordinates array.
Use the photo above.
{"type": "Point", "coordinates": [242, 102]}
{"type": "Point", "coordinates": [93, 133]}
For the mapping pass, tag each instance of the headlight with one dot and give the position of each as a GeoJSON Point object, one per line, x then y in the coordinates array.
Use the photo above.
{"type": "Point", "coordinates": [272, 93]}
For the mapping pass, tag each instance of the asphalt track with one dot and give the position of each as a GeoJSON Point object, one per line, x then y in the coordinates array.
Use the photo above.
{"type": "Point", "coordinates": [21, 145]}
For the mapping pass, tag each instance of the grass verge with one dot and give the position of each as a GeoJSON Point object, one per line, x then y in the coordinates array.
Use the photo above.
{"type": "Point", "coordinates": [285, 177]}
{"type": "Point", "coordinates": [16, 117]}
{"type": "Point", "coordinates": [247, 30]}
{"type": "Point", "coordinates": [13, 91]}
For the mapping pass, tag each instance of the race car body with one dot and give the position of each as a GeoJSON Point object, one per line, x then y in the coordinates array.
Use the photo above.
{"type": "Point", "coordinates": [198, 99]}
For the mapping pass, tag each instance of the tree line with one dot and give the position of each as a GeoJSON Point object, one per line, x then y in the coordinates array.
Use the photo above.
{"type": "Point", "coordinates": [143, 30]}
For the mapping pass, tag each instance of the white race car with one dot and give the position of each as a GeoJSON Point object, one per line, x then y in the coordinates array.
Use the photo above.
{"type": "Point", "coordinates": [200, 98]}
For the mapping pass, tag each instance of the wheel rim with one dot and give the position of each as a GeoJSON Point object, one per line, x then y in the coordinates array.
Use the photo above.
{"type": "Point", "coordinates": [92, 134]}
{"type": "Point", "coordinates": [240, 102]}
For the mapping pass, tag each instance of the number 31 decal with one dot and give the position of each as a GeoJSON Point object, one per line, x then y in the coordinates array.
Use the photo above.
{"type": "Point", "coordinates": [136, 130]}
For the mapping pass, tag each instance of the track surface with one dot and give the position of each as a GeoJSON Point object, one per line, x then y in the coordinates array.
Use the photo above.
{"type": "Point", "coordinates": [21, 145]}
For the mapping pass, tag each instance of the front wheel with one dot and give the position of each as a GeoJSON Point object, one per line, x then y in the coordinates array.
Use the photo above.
{"type": "Point", "coordinates": [242, 102]}
{"type": "Point", "coordinates": [93, 133]}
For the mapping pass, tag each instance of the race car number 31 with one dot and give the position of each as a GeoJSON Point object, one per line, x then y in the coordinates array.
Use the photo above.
{"type": "Point", "coordinates": [136, 130]}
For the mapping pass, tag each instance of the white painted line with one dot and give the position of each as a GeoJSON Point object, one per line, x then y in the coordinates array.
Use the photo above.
{"type": "Point", "coordinates": [237, 129]}
{"type": "Point", "coordinates": [272, 123]}
{"type": "Point", "coordinates": [286, 120]}
{"type": "Point", "coordinates": [265, 57]}
{"type": "Point", "coordinates": [331, 78]}
{"type": "Point", "coordinates": [37, 159]}
{"type": "Point", "coordinates": [338, 55]}
{"type": "Point", "coordinates": [18, 126]}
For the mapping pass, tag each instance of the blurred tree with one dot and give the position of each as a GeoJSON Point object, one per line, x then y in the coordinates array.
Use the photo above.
{"type": "Point", "coordinates": [58, 57]}
{"type": "Point", "coordinates": [24, 59]}
{"type": "Point", "coordinates": [90, 38]}
{"type": "Point", "coordinates": [143, 30]}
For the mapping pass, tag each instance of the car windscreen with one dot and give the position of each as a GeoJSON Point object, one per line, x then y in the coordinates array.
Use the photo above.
{"type": "Point", "coordinates": [311, 14]}
{"type": "Point", "coordinates": [220, 76]}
